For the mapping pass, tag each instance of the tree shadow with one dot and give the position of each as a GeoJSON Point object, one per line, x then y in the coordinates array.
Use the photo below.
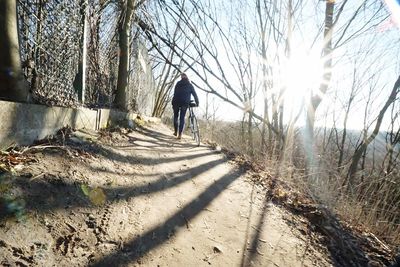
{"type": "Point", "coordinates": [343, 246]}
{"type": "Point", "coordinates": [25, 123]}
{"type": "Point", "coordinates": [156, 236]}
{"type": "Point", "coordinates": [54, 192]}
{"type": "Point", "coordinates": [110, 152]}
{"type": "Point", "coordinates": [346, 249]}
{"type": "Point", "coordinates": [159, 144]}
{"type": "Point", "coordinates": [62, 193]}
{"type": "Point", "coordinates": [155, 134]}
{"type": "Point", "coordinates": [396, 262]}
{"type": "Point", "coordinates": [256, 235]}
{"type": "Point", "coordinates": [162, 138]}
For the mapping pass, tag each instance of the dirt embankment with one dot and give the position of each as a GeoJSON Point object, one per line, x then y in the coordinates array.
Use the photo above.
{"type": "Point", "coordinates": [132, 198]}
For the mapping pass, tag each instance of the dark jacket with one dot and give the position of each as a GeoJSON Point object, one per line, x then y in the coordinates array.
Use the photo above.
{"type": "Point", "coordinates": [183, 90]}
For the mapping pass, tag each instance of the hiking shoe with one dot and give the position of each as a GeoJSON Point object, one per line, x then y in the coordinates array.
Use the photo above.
{"type": "Point", "coordinates": [175, 133]}
{"type": "Point", "coordinates": [180, 136]}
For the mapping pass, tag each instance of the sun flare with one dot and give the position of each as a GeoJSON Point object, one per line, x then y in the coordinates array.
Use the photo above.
{"type": "Point", "coordinates": [302, 75]}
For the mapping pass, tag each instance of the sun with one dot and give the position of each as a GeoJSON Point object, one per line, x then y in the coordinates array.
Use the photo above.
{"type": "Point", "coordinates": [302, 74]}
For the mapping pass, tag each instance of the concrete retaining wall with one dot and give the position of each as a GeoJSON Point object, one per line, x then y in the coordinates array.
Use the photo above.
{"type": "Point", "coordinates": [22, 123]}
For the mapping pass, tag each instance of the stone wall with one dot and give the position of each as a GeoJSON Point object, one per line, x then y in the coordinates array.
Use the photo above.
{"type": "Point", "coordinates": [22, 123]}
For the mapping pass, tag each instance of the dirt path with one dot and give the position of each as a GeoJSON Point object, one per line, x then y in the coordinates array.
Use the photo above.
{"type": "Point", "coordinates": [168, 203]}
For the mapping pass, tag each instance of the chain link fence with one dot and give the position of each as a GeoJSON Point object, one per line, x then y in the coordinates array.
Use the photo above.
{"type": "Point", "coordinates": [51, 34]}
{"type": "Point", "coordinates": [50, 40]}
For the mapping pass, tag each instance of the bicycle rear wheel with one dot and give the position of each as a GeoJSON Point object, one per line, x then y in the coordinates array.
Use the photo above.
{"type": "Point", "coordinates": [195, 130]}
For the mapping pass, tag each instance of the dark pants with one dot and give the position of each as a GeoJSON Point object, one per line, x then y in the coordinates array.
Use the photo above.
{"type": "Point", "coordinates": [179, 117]}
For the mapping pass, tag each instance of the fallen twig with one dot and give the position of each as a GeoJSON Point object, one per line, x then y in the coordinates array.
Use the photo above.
{"type": "Point", "coordinates": [379, 241]}
{"type": "Point", "coordinates": [186, 221]}
{"type": "Point", "coordinates": [259, 253]}
{"type": "Point", "coordinates": [255, 228]}
{"type": "Point", "coordinates": [37, 176]}
{"type": "Point", "coordinates": [256, 250]}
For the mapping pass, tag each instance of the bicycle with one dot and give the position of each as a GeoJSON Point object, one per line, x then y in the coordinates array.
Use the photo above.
{"type": "Point", "coordinates": [193, 124]}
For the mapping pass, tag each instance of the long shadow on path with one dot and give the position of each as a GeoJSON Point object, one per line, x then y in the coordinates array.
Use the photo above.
{"type": "Point", "coordinates": [117, 153]}
{"type": "Point", "coordinates": [247, 259]}
{"type": "Point", "coordinates": [58, 190]}
{"type": "Point", "coordinates": [54, 191]}
{"type": "Point", "coordinates": [160, 140]}
{"type": "Point", "coordinates": [156, 236]}
{"type": "Point", "coordinates": [109, 153]}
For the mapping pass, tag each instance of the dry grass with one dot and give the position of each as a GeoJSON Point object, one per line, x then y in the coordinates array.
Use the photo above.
{"type": "Point", "coordinates": [373, 204]}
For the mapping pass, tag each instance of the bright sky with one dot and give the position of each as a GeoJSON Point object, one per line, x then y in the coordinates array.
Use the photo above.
{"type": "Point", "coordinates": [370, 64]}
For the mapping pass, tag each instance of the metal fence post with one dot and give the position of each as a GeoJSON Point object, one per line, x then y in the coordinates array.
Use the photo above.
{"type": "Point", "coordinates": [82, 89]}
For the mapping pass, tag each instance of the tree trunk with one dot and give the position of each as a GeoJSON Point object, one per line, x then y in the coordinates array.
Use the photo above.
{"type": "Point", "coordinates": [250, 134]}
{"type": "Point", "coordinates": [264, 145]}
{"type": "Point", "coordinates": [363, 146]}
{"type": "Point", "coordinates": [280, 139]}
{"type": "Point", "coordinates": [243, 131]}
{"type": "Point", "coordinates": [265, 121]}
{"type": "Point", "coordinates": [309, 139]}
{"type": "Point", "coordinates": [12, 86]}
{"type": "Point", "coordinates": [316, 99]}
{"type": "Point", "coordinates": [393, 140]}
{"type": "Point", "coordinates": [121, 100]}
{"type": "Point", "coordinates": [346, 117]}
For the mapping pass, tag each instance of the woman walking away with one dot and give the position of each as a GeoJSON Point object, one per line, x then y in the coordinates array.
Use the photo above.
{"type": "Point", "coordinates": [180, 103]}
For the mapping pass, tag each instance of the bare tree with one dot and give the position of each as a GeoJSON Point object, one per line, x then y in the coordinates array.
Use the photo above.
{"type": "Point", "coordinates": [317, 98]}
{"type": "Point", "coordinates": [392, 143]}
{"type": "Point", "coordinates": [363, 146]}
{"type": "Point", "coordinates": [124, 30]}
{"type": "Point", "coordinates": [165, 73]}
